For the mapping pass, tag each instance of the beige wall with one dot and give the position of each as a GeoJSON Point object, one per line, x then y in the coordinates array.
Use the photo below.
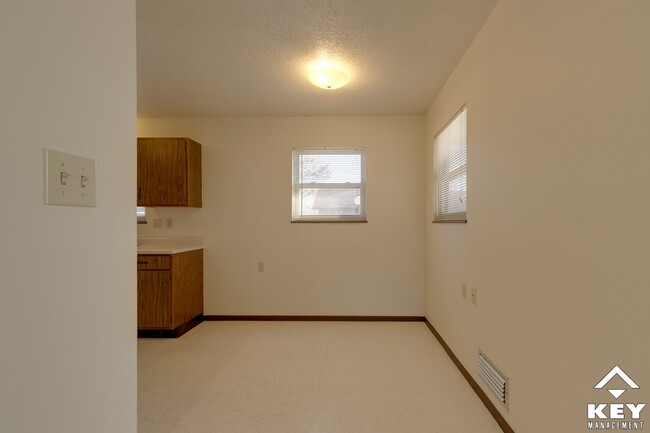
{"type": "Point", "coordinates": [67, 274]}
{"type": "Point", "coordinates": [557, 242]}
{"type": "Point", "coordinates": [311, 269]}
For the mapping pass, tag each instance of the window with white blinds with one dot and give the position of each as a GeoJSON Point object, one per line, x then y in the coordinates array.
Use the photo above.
{"type": "Point", "coordinates": [451, 170]}
{"type": "Point", "coordinates": [329, 185]}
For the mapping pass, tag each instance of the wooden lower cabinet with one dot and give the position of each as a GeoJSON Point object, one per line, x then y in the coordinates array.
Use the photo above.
{"type": "Point", "coordinates": [170, 293]}
{"type": "Point", "coordinates": [154, 300]}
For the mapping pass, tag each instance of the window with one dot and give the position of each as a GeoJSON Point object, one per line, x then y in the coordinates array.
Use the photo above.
{"type": "Point", "coordinates": [329, 185]}
{"type": "Point", "coordinates": [450, 150]}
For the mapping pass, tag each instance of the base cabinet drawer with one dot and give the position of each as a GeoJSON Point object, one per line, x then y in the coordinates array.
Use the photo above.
{"type": "Point", "coordinates": [154, 262]}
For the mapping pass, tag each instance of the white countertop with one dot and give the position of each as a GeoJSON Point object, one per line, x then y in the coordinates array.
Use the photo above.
{"type": "Point", "coordinates": [165, 249]}
{"type": "Point", "coordinates": [169, 245]}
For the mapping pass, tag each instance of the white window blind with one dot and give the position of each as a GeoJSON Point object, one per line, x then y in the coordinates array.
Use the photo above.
{"type": "Point", "coordinates": [451, 170]}
{"type": "Point", "coordinates": [329, 185]}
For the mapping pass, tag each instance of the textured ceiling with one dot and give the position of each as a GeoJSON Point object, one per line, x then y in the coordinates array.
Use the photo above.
{"type": "Point", "coordinates": [250, 57]}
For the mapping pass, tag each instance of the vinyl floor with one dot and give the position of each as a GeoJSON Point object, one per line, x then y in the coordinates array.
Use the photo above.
{"type": "Point", "coordinates": [304, 377]}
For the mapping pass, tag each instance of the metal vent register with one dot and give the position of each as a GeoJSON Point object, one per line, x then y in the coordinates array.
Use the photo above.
{"type": "Point", "coordinates": [493, 378]}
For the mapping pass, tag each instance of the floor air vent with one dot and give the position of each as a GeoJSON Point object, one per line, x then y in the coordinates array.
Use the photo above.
{"type": "Point", "coordinates": [495, 380]}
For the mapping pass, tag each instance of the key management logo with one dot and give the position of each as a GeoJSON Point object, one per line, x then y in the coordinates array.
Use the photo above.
{"type": "Point", "coordinates": [615, 416]}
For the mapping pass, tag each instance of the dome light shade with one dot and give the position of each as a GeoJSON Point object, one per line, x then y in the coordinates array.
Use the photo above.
{"type": "Point", "coordinates": [329, 78]}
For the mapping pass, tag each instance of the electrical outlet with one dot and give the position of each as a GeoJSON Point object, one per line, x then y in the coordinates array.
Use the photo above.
{"type": "Point", "coordinates": [463, 290]}
{"type": "Point", "coordinates": [168, 222]}
{"type": "Point", "coordinates": [157, 223]}
{"type": "Point", "coordinates": [260, 266]}
{"type": "Point", "coordinates": [474, 297]}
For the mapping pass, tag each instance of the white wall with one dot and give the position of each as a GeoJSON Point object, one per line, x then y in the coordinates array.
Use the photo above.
{"type": "Point", "coordinates": [311, 269]}
{"type": "Point", "coordinates": [67, 274]}
{"type": "Point", "coordinates": [558, 242]}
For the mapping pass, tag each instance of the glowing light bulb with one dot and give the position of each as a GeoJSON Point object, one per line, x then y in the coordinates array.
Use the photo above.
{"type": "Point", "coordinates": [329, 78]}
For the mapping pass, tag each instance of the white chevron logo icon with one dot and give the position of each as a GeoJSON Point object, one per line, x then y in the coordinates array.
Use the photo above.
{"type": "Point", "coordinates": [616, 371]}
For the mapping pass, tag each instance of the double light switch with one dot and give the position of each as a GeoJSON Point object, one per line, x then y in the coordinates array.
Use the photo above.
{"type": "Point", "coordinates": [69, 179]}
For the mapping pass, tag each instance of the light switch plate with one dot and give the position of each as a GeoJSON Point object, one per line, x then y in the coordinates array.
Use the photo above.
{"type": "Point", "coordinates": [69, 179]}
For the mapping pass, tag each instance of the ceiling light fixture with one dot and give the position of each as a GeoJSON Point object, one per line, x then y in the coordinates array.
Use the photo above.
{"type": "Point", "coordinates": [329, 78]}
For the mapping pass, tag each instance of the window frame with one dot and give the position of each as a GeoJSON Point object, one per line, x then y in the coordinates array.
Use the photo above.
{"type": "Point", "coordinates": [442, 183]}
{"type": "Point", "coordinates": [297, 186]}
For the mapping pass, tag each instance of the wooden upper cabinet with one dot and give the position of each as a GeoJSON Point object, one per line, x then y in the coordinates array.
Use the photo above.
{"type": "Point", "coordinates": [169, 172]}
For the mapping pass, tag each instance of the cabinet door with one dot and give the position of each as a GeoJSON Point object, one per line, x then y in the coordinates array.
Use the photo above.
{"type": "Point", "coordinates": [154, 300]}
{"type": "Point", "coordinates": [187, 270]}
{"type": "Point", "coordinates": [162, 172]}
{"type": "Point", "coordinates": [194, 176]}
